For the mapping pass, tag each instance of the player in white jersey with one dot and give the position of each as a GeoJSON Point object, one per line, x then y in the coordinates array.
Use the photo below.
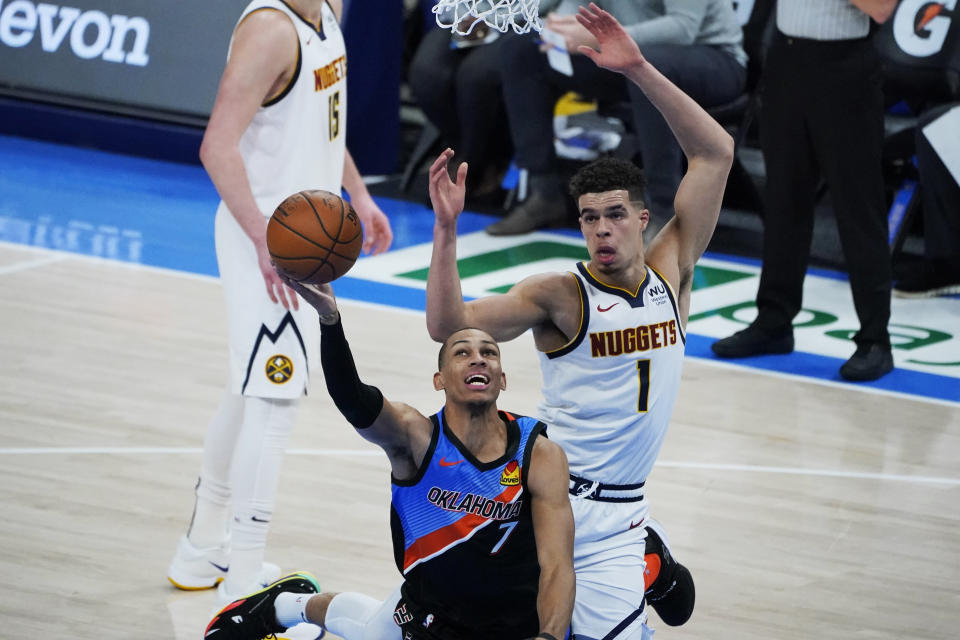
{"type": "Point", "coordinates": [278, 126]}
{"type": "Point", "coordinates": [611, 336]}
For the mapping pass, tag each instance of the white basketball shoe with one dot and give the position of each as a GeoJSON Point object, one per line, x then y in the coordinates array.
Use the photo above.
{"type": "Point", "coordinates": [269, 574]}
{"type": "Point", "coordinates": [193, 568]}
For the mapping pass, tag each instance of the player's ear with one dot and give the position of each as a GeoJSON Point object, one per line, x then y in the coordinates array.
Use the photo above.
{"type": "Point", "coordinates": [503, 381]}
{"type": "Point", "coordinates": [438, 381]}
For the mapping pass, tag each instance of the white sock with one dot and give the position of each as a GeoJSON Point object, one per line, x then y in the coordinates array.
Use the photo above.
{"type": "Point", "coordinates": [291, 608]}
{"type": "Point", "coordinates": [355, 616]}
{"type": "Point", "coordinates": [255, 473]}
{"type": "Point", "coordinates": [209, 526]}
{"type": "Point", "coordinates": [245, 566]}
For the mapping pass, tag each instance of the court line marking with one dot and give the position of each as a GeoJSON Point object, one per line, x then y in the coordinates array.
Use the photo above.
{"type": "Point", "coordinates": [370, 453]}
{"type": "Point", "coordinates": [836, 384]}
{"type": "Point", "coordinates": [709, 361]}
{"type": "Point", "coordinates": [17, 267]}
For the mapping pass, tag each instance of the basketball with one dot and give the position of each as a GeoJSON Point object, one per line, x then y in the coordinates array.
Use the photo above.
{"type": "Point", "coordinates": [314, 237]}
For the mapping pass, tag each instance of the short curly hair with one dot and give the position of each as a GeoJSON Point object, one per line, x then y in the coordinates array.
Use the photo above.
{"type": "Point", "coordinates": [609, 174]}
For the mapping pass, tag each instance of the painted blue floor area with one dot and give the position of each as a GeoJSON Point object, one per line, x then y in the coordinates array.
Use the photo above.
{"type": "Point", "coordinates": [809, 365]}
{"type": "Point", "coordinates": [133, 209]}
{"type": "Point", "coordinates": [161, 214]}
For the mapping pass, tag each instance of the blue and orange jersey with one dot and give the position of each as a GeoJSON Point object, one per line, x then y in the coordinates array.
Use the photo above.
{"type": "Point", "coordinates": [463, 530]}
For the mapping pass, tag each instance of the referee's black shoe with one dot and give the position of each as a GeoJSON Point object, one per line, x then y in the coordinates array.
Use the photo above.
{"type": "Point", "coordinates": [669, 585]}
{"type": "Point", "coordinates": [754, 341]}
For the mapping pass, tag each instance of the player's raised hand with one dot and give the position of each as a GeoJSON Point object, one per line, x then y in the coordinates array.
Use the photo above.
{"type": "Point", "coordinates": [573, 33]}
{"type": "Point", "coordinates": [446, 195]}
{"type": "Point", "coordinates": [319, 296]}
{"type": "Point", "coordinates": [617, 50]}
{"type": "Point", "coordinates": [377, 234]}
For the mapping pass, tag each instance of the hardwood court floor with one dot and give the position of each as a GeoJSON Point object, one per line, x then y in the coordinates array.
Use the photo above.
{"type": "Point", "coordinates": [804, 510]}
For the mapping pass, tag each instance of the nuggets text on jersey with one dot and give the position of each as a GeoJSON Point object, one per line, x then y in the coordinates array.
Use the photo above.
{"type": "Point", "coordinates": [641, 338]}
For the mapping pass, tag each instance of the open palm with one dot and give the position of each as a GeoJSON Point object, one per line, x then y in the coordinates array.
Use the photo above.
{"type": "Point", "coordinates": [447, 196]}
{"type": "Point", "coordinates": [618, 52]}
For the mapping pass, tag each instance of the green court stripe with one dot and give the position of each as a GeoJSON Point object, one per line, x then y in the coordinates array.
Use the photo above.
{"type": "Point", "coordinates": [506, 258]}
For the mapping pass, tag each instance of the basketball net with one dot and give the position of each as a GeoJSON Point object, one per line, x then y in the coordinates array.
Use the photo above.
{"type": "Point", "coordinates": [461, 16]}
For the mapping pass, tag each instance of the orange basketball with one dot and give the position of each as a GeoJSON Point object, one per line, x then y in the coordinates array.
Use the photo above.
{"type": "Point", "coordinates": [314, 237]}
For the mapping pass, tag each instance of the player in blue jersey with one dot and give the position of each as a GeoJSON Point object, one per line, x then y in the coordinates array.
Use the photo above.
{"type": "Point", "coordinates": [482, 527]}
{"type": "Point", "coordinates": [611, 338]}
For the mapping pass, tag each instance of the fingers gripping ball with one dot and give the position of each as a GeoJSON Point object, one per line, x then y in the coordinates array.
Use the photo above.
{"type": "Point", "coordinates": [314, 237]}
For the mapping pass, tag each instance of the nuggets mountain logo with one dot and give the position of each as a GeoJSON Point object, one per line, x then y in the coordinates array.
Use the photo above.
{"type": "Point", "coordinates": [511, 474]}
{"type": "Point", "coordinates": [279, 369]}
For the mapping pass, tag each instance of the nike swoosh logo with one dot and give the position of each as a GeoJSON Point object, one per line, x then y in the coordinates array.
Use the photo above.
{"type": "Point", "coordinates": [601, 309]}
{"type": "Point", "coordinates": [444, 463]}
{"type": "Point", "coordinates": [256, 519]}
{"type": "Point", "coordinates": [224, 569]}
{"type": "Point", "coordinates": [634, 525]}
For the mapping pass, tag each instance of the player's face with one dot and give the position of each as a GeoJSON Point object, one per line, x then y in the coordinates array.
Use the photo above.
{"type": "Point", "coordinates": [471, 371]}
{"type": "Point", "coordinates": [613, 228]}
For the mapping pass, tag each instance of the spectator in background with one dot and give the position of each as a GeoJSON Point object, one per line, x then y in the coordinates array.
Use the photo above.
{"type": "Point", "coordinates": [456, 82]}
{"type": "Point", "coordinates": [697, 44]}
{"type": "Point", "coordinates": [939, 274]}
{"type": "Point", "coordinates": [822, 114]}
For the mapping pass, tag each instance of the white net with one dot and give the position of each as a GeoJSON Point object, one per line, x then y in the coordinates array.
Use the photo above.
{"type": "Point", "coordinates": [461, 16]}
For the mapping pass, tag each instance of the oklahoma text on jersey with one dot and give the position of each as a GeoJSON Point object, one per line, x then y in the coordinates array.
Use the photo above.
{"type": "Point", "coordinates": [473, 503]}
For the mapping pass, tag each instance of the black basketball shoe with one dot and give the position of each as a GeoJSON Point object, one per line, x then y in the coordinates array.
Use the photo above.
{"type": "Point", "coordinates": [253, 617]}
{"type": "Point", "coordinates": [670, 589]}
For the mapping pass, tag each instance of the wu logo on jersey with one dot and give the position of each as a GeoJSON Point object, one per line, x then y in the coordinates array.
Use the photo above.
{"type": "Point", "coordinates": [511, 474]}
{"type": "Point", "coordinates": [279, 369]}
{"type": "Point", "coordinates": [658, 294]}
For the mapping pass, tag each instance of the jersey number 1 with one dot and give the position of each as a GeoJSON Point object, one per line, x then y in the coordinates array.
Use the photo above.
{"type": "Point", "coordinates": [334, 109]}
{"type": "Point", "coordinates": [643, 373]}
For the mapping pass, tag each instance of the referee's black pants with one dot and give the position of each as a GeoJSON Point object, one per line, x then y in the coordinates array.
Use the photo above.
{"type": "Point", "coordinates": [822, 115]}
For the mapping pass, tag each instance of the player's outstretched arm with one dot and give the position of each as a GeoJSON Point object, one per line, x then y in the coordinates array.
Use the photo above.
{"type": "Point", "coordinates": [553, 529]}
{"type": "Point", "coordinates": [505, 316]}
{"type": "Point", "coordinates": [400, 430]}
{"type": "Point", "coordinates": [707, 146]}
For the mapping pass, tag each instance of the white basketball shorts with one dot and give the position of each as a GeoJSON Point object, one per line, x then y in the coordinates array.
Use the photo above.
{"type": "Point", "coordinates": [608, 549]}
{"type": "Point", "coordinates": [271, 348]}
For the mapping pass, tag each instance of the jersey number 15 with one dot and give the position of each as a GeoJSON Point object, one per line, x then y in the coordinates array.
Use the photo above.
{"type": "Point", "coordinates": [334, 110]}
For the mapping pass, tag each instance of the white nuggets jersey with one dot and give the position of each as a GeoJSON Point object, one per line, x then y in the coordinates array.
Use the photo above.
{"type": "Point", "coordinates": [294, 142]}
{"type": "Point", "coordinates": [297, 139]}
{"type": "Point", "coordinates": [608, 395]}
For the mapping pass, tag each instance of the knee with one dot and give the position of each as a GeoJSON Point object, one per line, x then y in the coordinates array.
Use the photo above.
{"type": "Point", "coordinates": [432, 67]}
{"type": "Point", "coordinates": [519, 49]}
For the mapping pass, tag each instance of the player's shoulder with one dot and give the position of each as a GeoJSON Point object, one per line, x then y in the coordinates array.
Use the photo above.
{"type": "Point", "coordinates": [546, 450]}
{"type": "Point", "coordinates": [337, 7]}
{"type": "Point", "coordinates": [663, 256]}
{"type": "Point", "coordinates": [548, 466]}
{"type": "Point", "coordinates": [263, 23]}
{"type": "Point", "coordinates": [265, 34]}
{"type": "Point", "coordinates": [549, 287]}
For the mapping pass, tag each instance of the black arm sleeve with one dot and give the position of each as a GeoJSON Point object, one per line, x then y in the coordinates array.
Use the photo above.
{"type": "Point", "coordinates": [359, 403]}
